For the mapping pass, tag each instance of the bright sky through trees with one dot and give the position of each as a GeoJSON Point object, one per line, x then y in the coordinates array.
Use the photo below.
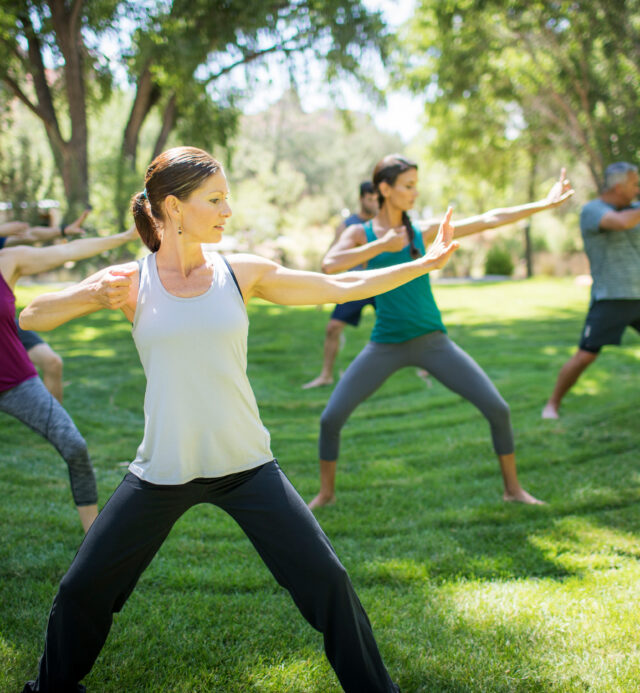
{"type": "Point", "coordinates": [402, 112]}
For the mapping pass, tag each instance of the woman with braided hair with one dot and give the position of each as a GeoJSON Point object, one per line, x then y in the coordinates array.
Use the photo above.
{"type": "Point", "coordinates": [409, 330]}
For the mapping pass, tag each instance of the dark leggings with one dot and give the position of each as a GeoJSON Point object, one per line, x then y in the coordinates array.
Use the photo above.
{"type": "Point", "coordinates": [31, 403]}
{"type": "Point", "coordinates": [444, 360]}
{"type": "Point", "coordinates": [132, 527]}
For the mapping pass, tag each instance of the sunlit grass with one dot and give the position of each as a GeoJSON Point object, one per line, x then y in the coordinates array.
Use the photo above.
{"type": "Point", "coordinates": [465, 593]}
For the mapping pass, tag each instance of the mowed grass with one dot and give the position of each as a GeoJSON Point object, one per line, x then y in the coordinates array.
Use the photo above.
{"type": "Point", "coordinates": [465, 593]}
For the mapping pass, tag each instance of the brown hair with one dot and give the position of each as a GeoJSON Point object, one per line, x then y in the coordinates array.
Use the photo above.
{"type": "Point", "coordinates": [178, 171]}
{"type": "Point", "coordinates": [387, 170]}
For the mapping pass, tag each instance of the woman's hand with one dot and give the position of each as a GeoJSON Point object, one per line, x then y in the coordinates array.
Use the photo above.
{"type": "Point", "coordinates": [75, 227]}
{"type": "Point", "coordinates": [111, 290]}
{"type": "Point", "coordinates": [443, 246]}
{"type": "Point", "coordinates": [560, 191]}
{"type": "Point", "coordinates": [394, 240]}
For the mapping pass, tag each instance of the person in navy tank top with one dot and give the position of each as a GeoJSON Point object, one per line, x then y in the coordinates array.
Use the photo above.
{"type": "Point", "coordinates": [348, 313]}
{"type": "Point", "coordinates": [203, 440]}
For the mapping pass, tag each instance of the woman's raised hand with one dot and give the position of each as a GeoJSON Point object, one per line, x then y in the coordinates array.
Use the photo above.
{"type": "Point", "coordinates": [561, 190]}
{"type": "Point", "coordinates": [443, 245]}
{"type": "Point", "coordinates": [75, 227]}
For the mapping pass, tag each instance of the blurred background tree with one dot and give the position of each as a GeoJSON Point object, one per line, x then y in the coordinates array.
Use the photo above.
{"type": "Point", "coordinates": [512, 90]}
{"type": "Point", "coordinates": [176, 57]}
{"type": "Point", "coordinates": [515, 87]}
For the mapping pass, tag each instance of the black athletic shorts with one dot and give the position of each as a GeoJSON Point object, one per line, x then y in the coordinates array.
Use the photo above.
{"type": "Point", "coordinates": [606, 322]}
{"type": "Point", "coordinates": [351, 311]}
{"type": "Point", "coordinates": [28, 338]}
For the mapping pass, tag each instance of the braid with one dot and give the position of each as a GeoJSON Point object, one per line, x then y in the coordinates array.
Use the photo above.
{"type": "Point", "coordinates": [413, 250]}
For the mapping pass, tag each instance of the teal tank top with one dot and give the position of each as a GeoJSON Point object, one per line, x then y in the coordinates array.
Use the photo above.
{"type": "Point", "coordinates": [408, 311]}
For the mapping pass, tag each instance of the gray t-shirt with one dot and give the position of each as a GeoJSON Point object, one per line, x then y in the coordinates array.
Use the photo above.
{"type": "Point", "coordinates": [614, 256]}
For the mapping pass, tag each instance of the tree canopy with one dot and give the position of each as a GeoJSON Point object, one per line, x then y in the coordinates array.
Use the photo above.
{"type": "Point", "coordinates": [177, 57]}
{"type": "Point", "coordinates": [561, 75]}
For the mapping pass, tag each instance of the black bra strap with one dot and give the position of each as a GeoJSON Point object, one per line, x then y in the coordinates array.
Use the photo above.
{"type": "Point", "coordinates": [235, 281]}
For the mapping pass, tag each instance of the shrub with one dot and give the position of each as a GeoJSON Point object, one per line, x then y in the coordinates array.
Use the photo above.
{"type": "Point", "coordinates": [498, 261]}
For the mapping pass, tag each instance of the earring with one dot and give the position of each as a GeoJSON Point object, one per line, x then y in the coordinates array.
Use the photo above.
{"type": "Point", "coordinates": [180, 230]}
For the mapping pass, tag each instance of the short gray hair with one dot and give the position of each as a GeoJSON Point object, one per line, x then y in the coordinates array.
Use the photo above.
{"type": "Point", "coordinates": [617, 173]}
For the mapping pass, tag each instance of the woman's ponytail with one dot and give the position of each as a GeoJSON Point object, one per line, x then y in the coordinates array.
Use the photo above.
{"type": "Point", "coordinates": [147, 228]}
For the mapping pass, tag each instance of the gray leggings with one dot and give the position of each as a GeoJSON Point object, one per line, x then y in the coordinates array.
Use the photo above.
{"type": "Point", "coordinates": [444, 360]}
{"type": "Point", "coordinates": [31, 403]}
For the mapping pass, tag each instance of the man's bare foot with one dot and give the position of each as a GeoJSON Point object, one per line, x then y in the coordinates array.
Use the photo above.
{"type": "Point", "coordinates": [318, 382]}
{"type": "Point", "coordinates": [550, 411]}
{"type": "Point", "coordinates": [322, 499]}
{"type": "Point", "coordinates": [521, 496]}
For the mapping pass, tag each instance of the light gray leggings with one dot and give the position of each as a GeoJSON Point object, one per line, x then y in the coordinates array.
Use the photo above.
{"type": "Point", "coordinates": [444, 360]}
{"type": "Point", "coordinates": [31, 403]}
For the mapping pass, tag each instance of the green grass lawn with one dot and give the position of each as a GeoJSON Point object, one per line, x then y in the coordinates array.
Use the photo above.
{"type": "Point", "coordinates": [465, 593]}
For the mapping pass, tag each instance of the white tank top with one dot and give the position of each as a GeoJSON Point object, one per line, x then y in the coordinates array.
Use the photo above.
{"type": "Point", "coordinates": [200, 414]}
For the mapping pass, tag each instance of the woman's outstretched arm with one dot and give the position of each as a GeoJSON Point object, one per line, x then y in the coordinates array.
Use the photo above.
{"type": "Point", "coordinates": [24, 260]}
{"type": "Point", "coordinates": [39, 234]}
{"type": "Point", "coordinates": [560, 192]}
{"type": "Point", "coordinates": [265, 279]}
{"type": "Point", "coordinates": [113, 287]}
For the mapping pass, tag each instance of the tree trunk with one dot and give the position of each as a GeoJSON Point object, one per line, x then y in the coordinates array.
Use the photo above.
{"type": "Point", "coordinates": [168, 121]}
{"type": "Point", "coordinates": [528, 250]}
{"type": "Point", "coordinates": [75, 162]}
{"type": "Point", "coordinates": [147, 95]}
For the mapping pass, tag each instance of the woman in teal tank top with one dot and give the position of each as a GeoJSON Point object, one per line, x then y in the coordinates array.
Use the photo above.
{"type": "Point", "coordinates": [409, 330]}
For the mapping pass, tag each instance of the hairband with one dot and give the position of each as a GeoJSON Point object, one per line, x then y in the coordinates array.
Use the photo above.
{"type": "Point", "coordinates": [144, 194]}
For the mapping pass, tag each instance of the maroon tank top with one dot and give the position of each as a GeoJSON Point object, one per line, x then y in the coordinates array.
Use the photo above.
{"type": "Point", "coordinates": [15, 365]}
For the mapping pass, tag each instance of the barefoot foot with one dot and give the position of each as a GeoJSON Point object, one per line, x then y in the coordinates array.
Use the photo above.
{"type": "Point", "coordinates": [424, 375]}
{"type": "Point", "coordinates": [550, 411]}
{"type": "Point", "coordinates": [318, 382]}
{"type": "Point", "coordinates": [521, 496]}
{"type": "Point", "coordinates": [322, 499]}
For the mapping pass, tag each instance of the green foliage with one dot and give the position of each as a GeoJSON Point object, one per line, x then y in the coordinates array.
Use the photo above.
{"type": "Point", "coordinates": [561, 75]}
{"type": "Point", "coordinates": [292, 173]}
{"type": "Point", "coordinates": [22, 179]}
{"type": "Point", "coordinates": [465, 593]}
{"type": "Point", "coordinates": [177, 56]}
{"type": "Point", "coordinates": [498, 261]}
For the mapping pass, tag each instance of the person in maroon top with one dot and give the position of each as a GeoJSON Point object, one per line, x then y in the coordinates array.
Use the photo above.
{"type": "Point", "coordinates": [22, 393]}
{"type": "Point", "coordinates": [43, 357]}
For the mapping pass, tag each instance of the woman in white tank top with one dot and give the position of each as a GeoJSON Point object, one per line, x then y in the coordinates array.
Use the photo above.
{"type": "Point", "coordinates": [203, 438]}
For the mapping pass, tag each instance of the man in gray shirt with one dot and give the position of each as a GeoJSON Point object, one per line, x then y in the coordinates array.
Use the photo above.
{"type": "Point", "coordinates": [610, 227]}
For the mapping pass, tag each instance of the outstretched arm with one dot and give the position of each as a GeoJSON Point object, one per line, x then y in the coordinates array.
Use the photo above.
{"type": "Point", "coordinates": [34, 260]}
{"type": "Point", "coordinates": [37, 234]}
{"type": "Point", "coordinates": [268, 280]}
{"type": "Point", "coordinates": [13, 228]}
{"type": "Point", "coordinates": [113, 287]}
{"type": "Point", "coordinates": [560, 192]}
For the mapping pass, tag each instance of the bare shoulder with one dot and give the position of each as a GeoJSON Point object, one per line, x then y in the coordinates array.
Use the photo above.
{"type": "Point", "coordinates": [249, 263]}
{"type": "Point", "coordinates": [10, 260]}
{"type": "Point", "coordinates": [353, 236]}
{"type": "Point", "coordinates": [251, 271]}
